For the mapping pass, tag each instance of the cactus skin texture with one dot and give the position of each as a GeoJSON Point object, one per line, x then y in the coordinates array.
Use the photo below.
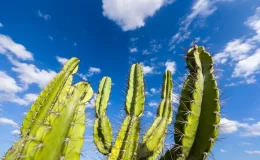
{"type": "Point", "coordinates": [102, 128]}
{"type": "Point", "coordinates": [54, 127]}
{"type": "Point", "coordinates": [198, 117]}
{"type": "Point", "coordinates": [126, 143]}
{"type": "Point", "coordinates": [153, 141]}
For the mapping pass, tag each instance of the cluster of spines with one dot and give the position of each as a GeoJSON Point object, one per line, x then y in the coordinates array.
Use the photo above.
{"type": "Point", "coordinates": [125, 146]}
{"type": "Point", "coordinates": [38, 118]}
{"type": "Point", "coordinates": [197, 120]}
{"type": "Point", "coordinates": [102, 128]}
{"type": "Point", "coordinates": [153, 141]}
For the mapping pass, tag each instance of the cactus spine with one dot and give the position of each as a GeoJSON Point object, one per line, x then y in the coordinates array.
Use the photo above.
{"type": "Point", "coordinates": [153, 141]}
{"type": "Point", "coordinates": [102, 128]}
{"type": "Point", "coordinates": [54, 127]}
{"type": "Point", "coordinates": [127, 140]}
{"type": "Point", "coordinates": [198, 117]}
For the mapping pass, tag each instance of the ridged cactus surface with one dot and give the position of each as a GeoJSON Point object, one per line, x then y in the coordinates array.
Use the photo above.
{"type": "Point", "coordinates": [198, 117]}
{"type": "Point", "coordinates": [102, 128]}
{"type": "Point", "coordinates": [153, 141]}
{"type": "Point", "coordinates": [55, 124]}
{"type": "Point", "coordinates": [127, 140]}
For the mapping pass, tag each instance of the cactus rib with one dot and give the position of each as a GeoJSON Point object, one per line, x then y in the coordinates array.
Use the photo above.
{"type": "Point", "coordinates": [102, 127]}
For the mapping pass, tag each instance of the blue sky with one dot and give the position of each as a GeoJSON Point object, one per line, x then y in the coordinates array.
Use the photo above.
{"type": "Point", "coordinates": [37, 37]}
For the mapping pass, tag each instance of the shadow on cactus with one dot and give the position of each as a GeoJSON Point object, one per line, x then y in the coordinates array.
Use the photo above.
{"type": "Point", "coordinates": [53, 129]}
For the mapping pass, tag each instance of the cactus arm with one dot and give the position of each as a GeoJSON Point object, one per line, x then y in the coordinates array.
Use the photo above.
{"type": "Point", "coordinates": [102, 128]}
{"type": "Point", "coordinates": [39, 110]}
{"type": "Point", "coordinates": [126, 143]}
{"type": "Point", "coordinates": [210, 111]}
{"type": "Point", "coordinates": [63, 129]}
{"type": "Point", "coordinates": [187, 118]}
{"type": "Point", "coordinates": [153, 140]}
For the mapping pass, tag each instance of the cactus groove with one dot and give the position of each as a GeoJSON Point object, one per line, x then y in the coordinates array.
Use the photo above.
{"type": "Point", "coordinates": [198, 117]}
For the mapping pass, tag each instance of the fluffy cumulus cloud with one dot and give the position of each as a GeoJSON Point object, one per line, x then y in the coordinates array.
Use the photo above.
{"type": "Point", "coordinates": [171, 66]}
{"type": "Point", "coordinates": [246, 130]}
{"type": "Point", "coordinates": [8, 46]}
{"type": "Point", "coordinates": [244, 53]}
{"type": "Point", "coordinates": [61, 60]}
{"type": "Point", "coordinates": [6, 121]}
{"type": "Point", "coordinates": [148, 70]}
{"type": "Point", "coordinates": [13, 98]}
{"type": "Point", "coordinates": [8, 84]}
{"type": "Point", "coordinates": [30, 74]}
{"type": "Point", "coordinates": [131, 14]}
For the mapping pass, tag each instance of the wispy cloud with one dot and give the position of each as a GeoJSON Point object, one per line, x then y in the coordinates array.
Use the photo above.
{"type": "Point", "coordinates": [62, 60]}
{"type": "Point", "coordinates": [133, 50]}
{"type": "Point", "coordinates": [93, 70]}
{"type": "Point", "coordinates": [43, 15]}
{"type": "Point", "coordinates": [200, 9]}
{"type": "Point", "coordinates": [253, 152]}
{"type": "Point", "coordinates": [6, 121]}
{"type": "Point", "coordinates": [8, 46]}
{"type": "Point", "coordinates": [1, 25]}
{"type": "Point", "coordinates": [8, 84]}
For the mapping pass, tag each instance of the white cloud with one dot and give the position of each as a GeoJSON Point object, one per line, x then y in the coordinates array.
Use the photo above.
{"type": "Point", "coordinates": [133, 50]}
{"type": "Point", "coordinates": [252, 152]}
{"type": "Point", "coordinates": [91, 103]}
{"type": "Point", "coordinates": [222, 150]}
{"type": "Point", "coordinates": [249, 119]}
{"type": "Point", "coordinates": [50, 37]}
{"type": "Point", "coordinates": [254, 21]}
{"type": "Point", "coordinates": [200, 9]}
{"type": "Point", "coordinates": [248, 66]}
{"type": "Point", "coordinates": [84, 77]}
{"type": "Point", "coordinates": [16, 132]}
{"type": "Point", "coordinates": [236, 49]}
{"type": "Point", "coordinates": [149, 114]}
{"type": "Point", "coordinates": [92, 71]}
{"type": "Point", "coordinates": [131, 14]}
{"type": "Point", "coordinates": [62, 60]}
{"type": "Point", "coordinates": [10, 97]}
{"type": "Point", "coordinates": [245, 144]}
{"type": "Point", "coordinates": [171, 66]}
{"type": "Point", "coordinates": [6, 121]}
{"type": "Point", "coordinates": [8, 84]}
{"type": "Point", "coordinates": [229, 126]}
{"type": "Point", "coordinates": [44, 16]}
{"type": "Point", "coordinates": [153, 104]}
{"type": "Point", "coordinates": [252, 130]}
{"type": "Point", "coordinates": [146, 52]}
{"type": "Point", "coordinates": [147, 69]}
{"type": "Point", "coordinates": [8, 46]}
{"type": "Point", "coordinates": [30, 74]}
{"type": "Point", "coordinates": [1, 25]}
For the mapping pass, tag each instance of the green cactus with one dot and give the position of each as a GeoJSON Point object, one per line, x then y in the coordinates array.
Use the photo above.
{"type": "Point", "coordinates": [126, 144]}
{"type": "Point", "coordinates": [102, 129]}
{"type": "Point", "coordinates": [127, 140]}
{"type": "Point", "coordinates": [198, 117]}
{"type": "Point", "coordinates": [54, 127]}
{"type": "Point", "coordinates": [153, 141]}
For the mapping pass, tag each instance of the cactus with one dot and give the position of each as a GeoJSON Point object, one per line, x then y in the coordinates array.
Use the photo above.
{"type": "Point", "coordinates": [153, 141]}
{"type": "Point", "coordinates": [126, 143]}
{"type": "Point", "coordinates": [198, 117]}
{"type": "Point", "coordinates": [102, 129]}
{"type": "Point", "coordinates": [54, 127]}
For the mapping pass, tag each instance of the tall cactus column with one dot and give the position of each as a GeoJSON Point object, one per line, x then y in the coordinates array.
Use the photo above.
{"type": "Point", "coordinates": [153, 141]}
{"type": "Point", "coordinates": [198, 117]}
{"type": "Point", "coordinates": [126, 143]}
{"type": "Point", "coordinates": [102, 128]}
{"type": "Point", "coordinates": [54, 127]}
